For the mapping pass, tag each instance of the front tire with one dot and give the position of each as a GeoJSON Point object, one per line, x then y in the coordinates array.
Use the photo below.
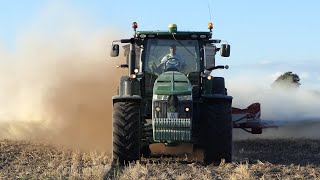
{"type": "Point", "coordinates": [126, 137]}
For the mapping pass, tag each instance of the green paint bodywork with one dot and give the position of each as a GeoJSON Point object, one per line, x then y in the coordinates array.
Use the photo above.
{"type": "Point", "coordinates": [172, 83]}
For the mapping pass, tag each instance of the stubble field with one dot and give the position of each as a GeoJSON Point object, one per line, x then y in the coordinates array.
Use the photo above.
{"type": "Point", "coordinates": [253, 159]}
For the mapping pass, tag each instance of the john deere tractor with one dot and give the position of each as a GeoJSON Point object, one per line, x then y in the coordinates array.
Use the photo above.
{"type": "Point", "coordinates": [171, 98]}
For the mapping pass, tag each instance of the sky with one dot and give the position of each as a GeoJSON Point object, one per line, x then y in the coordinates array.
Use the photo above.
{"type": "Point", "coordinates": [267, 38]}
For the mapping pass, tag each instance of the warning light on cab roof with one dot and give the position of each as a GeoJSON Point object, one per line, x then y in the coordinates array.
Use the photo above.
{"type": "Point", "coordinates": [134, 25]}
{"type": "Point", "coordinates": [210, 26]}
{"type": "Point", "coordinates": [173, 28]}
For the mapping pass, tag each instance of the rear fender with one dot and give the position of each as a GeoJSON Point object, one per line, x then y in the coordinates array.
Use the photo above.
{"type": "Point", "coordinates": [129, 86]}
{"type": "Point", "coordinates": [215, 85]}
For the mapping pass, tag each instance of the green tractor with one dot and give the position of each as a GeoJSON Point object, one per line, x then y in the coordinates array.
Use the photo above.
{"type": "Point", "coordinates": [169, 95]}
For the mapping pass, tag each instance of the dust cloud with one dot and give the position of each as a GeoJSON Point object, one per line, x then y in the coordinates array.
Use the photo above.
{"type": "Point", "coordinates": [56, 84]}
{"type": "Point", "coordinates": [276, 103]}
{"type": "Point", "coordinates": [294, 110]}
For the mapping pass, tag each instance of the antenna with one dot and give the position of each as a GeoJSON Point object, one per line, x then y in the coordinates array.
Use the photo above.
{"type": "Point", "coordinates": [210, 25]}
{"type": "Point", "coordinates": [209, 11]}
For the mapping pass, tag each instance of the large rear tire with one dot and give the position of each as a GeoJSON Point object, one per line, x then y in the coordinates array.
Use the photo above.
{"type": "Point", "coordinates": [218, 131]}
{"type": "Point", "coordinates": [126, 135]}
{"type": "Point", "coordinates": [144, 144]}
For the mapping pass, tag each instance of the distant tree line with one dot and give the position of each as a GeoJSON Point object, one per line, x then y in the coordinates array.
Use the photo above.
{"type": "Point", "coordinates": [287, 80]}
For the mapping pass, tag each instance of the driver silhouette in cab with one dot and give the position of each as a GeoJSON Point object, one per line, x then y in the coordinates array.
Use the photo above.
{"type": "Point", "coordinates": [172, 58]}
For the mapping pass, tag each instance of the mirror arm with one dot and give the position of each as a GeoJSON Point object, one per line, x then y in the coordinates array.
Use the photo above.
{"type": "Point", "coordinates": [115, 41]}
{"type": "Point", "coordinates": [123, 66]}
{"type": "Point", "coordinates": [216, 67]}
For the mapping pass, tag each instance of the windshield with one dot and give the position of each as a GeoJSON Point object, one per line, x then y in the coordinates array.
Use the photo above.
{"type": "Point", "coordinates": [164, 54]}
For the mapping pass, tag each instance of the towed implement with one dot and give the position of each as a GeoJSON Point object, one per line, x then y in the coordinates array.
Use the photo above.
{"type": "Point", "coordinates": [170, 96]}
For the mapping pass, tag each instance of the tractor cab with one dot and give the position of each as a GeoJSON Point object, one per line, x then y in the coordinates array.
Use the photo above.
{"type": "Point", "coordinates": [177, 55]}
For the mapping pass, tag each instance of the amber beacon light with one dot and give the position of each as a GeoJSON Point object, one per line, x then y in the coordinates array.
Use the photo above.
{"type": "Point", "coordinates": [134, 25]}
{"type": "Point", "coordinates": [210, 26]}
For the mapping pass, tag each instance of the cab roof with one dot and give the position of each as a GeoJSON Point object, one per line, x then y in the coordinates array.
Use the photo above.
{"type": "Point", "coordinates": [177, 35]}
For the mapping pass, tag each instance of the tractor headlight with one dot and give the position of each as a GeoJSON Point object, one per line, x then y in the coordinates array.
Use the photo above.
{"type": "Point", "coordinates": [160, 97]}
{"type": "Point", "coordinates": [185, 98]}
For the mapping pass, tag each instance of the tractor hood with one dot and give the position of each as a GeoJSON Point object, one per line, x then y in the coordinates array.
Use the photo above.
{"type": "Point", "coordinates": [172, 83]}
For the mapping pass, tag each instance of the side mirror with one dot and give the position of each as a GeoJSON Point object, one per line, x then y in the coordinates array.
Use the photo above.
{"type": "Point", "coordinates": [225, 50]}
{"type": "Point", "coordinates": [115, 50]}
